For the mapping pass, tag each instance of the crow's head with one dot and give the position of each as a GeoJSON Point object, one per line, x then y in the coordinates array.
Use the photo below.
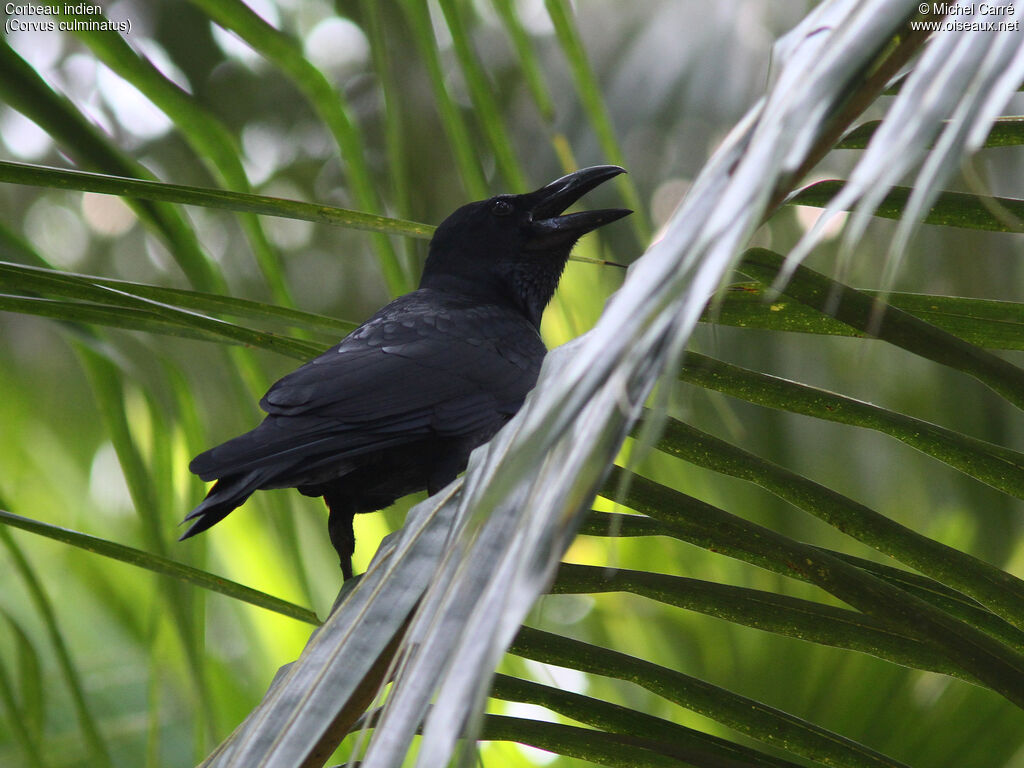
{"type": "Point", "coordinates": [513, 248]}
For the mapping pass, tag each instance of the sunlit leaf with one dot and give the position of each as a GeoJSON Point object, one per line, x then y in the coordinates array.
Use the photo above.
{"type": "Point", "coordinates": [158, 564]}
{"type": "Point", "coordinates": [95, 743]}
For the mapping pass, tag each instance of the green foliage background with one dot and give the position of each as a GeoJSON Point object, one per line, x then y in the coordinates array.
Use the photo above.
{"type": "Point", "coordinates": [408, 109]}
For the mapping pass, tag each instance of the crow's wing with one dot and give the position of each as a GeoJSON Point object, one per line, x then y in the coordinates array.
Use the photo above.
{"type": "Point", "coordinates": [422, 361]}
{"type": "Point", "coordinates": [425, 364]}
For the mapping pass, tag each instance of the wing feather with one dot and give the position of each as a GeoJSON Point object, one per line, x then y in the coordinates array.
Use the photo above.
{"type": "Point", "coordinates": [426, 364]}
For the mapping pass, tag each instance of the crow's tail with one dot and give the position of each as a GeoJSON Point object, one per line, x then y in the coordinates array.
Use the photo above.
{"type": "Point", "coordinates": [227, 493]}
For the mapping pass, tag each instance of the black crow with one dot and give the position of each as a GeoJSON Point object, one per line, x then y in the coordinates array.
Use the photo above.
{"type": "Point", "coordinates": [401, 402]}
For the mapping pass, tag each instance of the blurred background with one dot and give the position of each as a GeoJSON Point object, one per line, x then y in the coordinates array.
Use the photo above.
{"type": "Point", "coordinates": [674, 77]}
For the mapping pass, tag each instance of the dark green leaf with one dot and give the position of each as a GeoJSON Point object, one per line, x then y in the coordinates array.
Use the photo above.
{"type": "Point", "coordinates": [704, 525]}
{"type": "Point", "coordinates": [613, 750]}
{"type": "Point", "coordinates": [788, 616]}
{"type": "Point", "coordinates": [35, 175]}
{"type": "Point", "coordinates": [987, 323]}
{"type": "Point", "coordinates": [663, 736]}
{"type": "Point", "coordinates": [737, 712]}
{"type": "Point", "coordinates": [1000, 467]}
{"type": "Point", "coordinates": [999, 591]}
{"type": "Point", "coordinates": [950, 209]}
{"type": "Point", "coordinates": [871, 316]}
{"type": "Point", "coordinates": [1005, 132]}
{"type": "Point", "coordinates": [195, 327]}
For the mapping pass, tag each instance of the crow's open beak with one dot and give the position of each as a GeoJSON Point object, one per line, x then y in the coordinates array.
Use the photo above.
{"type": "Point", "coordinates": [548, 228]}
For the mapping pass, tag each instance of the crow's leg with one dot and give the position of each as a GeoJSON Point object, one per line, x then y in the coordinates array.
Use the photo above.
{"type": "Point", "coordinates": [339, 526]}
{"type": "Point", "coordinates": [438, 482]}
{"type": "Point", "coordinates": [446, 469]}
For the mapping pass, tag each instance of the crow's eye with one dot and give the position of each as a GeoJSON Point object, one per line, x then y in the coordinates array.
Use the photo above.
{"type": "Point", "coordinates": [502, 208]}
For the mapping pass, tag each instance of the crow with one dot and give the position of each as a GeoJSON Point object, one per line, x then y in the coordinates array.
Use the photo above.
{"type": "Point", "coordinates": [398, 405]}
